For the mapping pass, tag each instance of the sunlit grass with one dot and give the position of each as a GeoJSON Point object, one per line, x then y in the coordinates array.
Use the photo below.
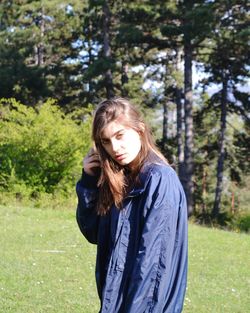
{"type": "Point", "coordinates": [219, 271]}
{"type": "Point", "coordinates": [47, 266]}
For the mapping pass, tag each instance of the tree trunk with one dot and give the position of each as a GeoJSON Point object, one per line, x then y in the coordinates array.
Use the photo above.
{"type": "Point", "coordinates": [124, 78]}
{"type": "Point", "coordinates": [108, 79]}
{"type": "Point", "coordinates": [90, 87]}
{"type": "Point", "coordinates": [40, 46]}
{"type": "Point", "coordinates": [180, 148]}
{"type": "Point", "coordinates": [204, 189]}
{"type": "Point", "coordinates": [188, 94]}
{"type": "Point", "coordinates": [232, 203]}
{"type": "Point", "coordinates": [220, 164]}
{"type": "Point", "coordinates": [165, 122]}
{"type": "Point", "coordinates": [179, 119]}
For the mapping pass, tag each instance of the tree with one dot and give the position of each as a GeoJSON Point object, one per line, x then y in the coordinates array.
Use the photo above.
{"type": "Point", "coordinates": [189, 25]}
{"type": "Point", "coordinates": [227, 65]}
{"type": "Point", "coordinates": [38, 38]}
{"type": "Point", "coordinates": [107, 48]}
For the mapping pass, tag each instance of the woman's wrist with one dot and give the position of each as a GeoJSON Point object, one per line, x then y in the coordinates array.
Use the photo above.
{"type": "Point", "coordinates": [88, 180]}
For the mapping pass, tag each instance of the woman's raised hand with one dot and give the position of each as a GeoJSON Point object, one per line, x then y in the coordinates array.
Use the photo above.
{"type": "Point", "coordinates": [91, 163]}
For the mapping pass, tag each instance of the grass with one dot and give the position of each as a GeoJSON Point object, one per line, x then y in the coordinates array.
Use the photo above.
{"type": "Point", "coordinates": [219, 271]}
{"type": "Point", "coordinates": [47, 266]}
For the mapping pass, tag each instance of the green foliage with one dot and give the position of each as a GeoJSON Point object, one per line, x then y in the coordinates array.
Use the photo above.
{"type": "Point", "coordinates": [170, 31]}
{"type": "Point", "coordinates": [37, 56]}
{"type": "Point", "coordinates": [40, 149]}
{"type": "Point", "coordinates": [226, 221]}
{"type": "Point", "coordinates": [54, 48]}
{"type": "Point", "coordinates": [130, 34]}
{"type": "Point", "coordinates": [243, 223]}
{"type": "Point", "coordinates": [207, 125]}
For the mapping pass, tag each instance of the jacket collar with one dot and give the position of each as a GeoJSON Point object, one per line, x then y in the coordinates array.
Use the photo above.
{"type": "Point", "coordinates": [144, 174]}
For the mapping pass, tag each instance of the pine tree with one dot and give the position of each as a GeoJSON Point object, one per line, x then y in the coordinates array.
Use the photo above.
{"type": "Point", "coordinates": [38, 38]}
{"type": "Point", "coordinates": [227, 66]}
{"type": "Point", "coordinates": [190, 24]}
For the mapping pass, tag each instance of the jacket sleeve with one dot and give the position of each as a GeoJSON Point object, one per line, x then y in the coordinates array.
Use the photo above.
{"type": "Point", "coordinates": [86, 215]}
{"type": "Point", "coordinates": [158, 280]}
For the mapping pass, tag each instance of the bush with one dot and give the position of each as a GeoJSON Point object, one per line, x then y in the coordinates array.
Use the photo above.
{"type": "Point", "coordinates": [40, 148]}
{"type": "Point", "coordinates": [225, 220]}
{"type": "Point", "coordinates": [243, 223]}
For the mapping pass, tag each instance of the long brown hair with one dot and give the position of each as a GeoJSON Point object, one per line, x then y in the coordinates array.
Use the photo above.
{"type": "Point", "coordinates": [113, 180]}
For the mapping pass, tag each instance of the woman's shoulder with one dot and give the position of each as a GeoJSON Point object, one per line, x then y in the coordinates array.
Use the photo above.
{"type": "Point", "coordinates": [154, 172]}
{"type": "Point", "coordinates": [155, 164]}
{"type": "Point", "coordinates": [160, 173]}
{"type": "Point", "coordinates": [157, 167]}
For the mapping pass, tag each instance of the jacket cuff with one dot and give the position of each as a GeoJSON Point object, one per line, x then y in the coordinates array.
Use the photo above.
{"type": "Point", "coordinates": [88, 181]}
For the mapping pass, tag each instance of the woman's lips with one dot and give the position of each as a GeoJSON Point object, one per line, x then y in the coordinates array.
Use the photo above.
{"type": "Point", "coordinates": [120, 157]}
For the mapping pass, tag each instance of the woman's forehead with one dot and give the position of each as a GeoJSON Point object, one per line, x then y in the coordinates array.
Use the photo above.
{"type": "Point", "coordinates": [112, 128]}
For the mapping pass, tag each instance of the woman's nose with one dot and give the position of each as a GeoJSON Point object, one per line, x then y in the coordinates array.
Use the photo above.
{"type": "Point", "coordinates": [115, 145]}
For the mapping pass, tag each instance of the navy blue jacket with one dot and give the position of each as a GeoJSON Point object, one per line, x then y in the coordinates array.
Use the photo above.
{"type": "Point", "coordinates": [141, 264]}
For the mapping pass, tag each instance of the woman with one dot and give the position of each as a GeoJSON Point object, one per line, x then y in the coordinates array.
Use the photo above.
{"type": "Point", "coordinates": [132, 205]}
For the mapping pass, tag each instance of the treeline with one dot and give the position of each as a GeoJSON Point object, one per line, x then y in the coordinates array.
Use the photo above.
{"type": "Point", "coordinates": [79, 52]}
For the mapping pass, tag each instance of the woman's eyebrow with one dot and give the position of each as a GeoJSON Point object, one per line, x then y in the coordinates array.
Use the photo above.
{"type": "Point", "coordinates": [116, 133]}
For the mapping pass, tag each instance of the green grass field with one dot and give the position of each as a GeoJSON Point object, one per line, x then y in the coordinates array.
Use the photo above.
{"type": "Point", "coordinates": [47, 266]}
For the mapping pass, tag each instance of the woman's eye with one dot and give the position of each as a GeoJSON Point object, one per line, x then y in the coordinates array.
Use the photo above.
{"type": "Point", "coordinates": [105, 142]}
{"type": "Point", "coordinates": [119, 136]}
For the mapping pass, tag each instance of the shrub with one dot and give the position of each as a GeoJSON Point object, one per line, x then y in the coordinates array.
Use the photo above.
{"type": "Point", "coordinates": [225, 220]}
{"type": "Point", "coordinates": [40, 148]}
{"type": "Point", "coordinates": [243, 223]}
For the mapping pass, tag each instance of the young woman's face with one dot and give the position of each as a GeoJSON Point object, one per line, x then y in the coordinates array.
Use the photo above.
{"type": "Point", "coordinates": [122, 143]}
